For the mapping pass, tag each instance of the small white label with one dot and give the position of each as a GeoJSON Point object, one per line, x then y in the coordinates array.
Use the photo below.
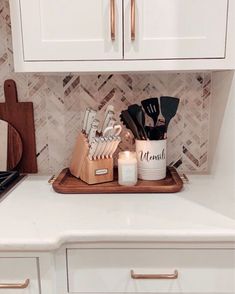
{"type": "Point", "coordinates": [100, 172]}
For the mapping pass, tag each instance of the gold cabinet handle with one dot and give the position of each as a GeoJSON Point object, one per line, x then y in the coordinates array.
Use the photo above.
{"type": "Point", "coordinates": [173, 276]}
{"type": "Point", "coordinates": [133, 20]}
{"type": "Point", "coordinates": [112, 19]}
{"type": "Point", "coordinates": [15, 286]}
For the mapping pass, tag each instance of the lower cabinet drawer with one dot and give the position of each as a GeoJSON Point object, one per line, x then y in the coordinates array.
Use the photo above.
{"type": "Point", "coordinates": [19, 276]}
{"type": "Point", "coordinates": [151, 271]}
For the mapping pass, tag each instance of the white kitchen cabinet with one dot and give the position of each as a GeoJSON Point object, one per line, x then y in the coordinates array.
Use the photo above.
{"type": "Point", "coordinates": [81, 30]}
{"type": "Point", "coordinates": [74, 30]}
{"type": "Point", "coordinates": [99, 268]}
{"type": "Point", "coordinates": [128, 35]}
{"type": "Point", "coordinates": [19, 276]}
{"type": "Point", "coordinates": [154, 271]}
{"type": "Point", "coordinates": [175, 29]}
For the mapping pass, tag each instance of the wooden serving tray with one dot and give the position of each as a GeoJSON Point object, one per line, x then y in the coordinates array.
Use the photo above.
{"type": "Point", "coordinates": [65, 183]}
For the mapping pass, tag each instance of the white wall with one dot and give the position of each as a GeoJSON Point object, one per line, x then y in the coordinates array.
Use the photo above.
{"type": "Point", "coordinates": [222, 126]}
{"type": "Point", "coordinates": [217, 190]}
{"type": "Point", "coordinates": [222, 142]}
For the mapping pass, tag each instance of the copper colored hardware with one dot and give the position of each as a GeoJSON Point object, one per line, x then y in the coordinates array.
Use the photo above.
{"type": "Point", "coordinates": [184, 178]}
{"type": "Point", "coordinates": [15, 286]}
{"type": "Point", "coordinates": [52, 179]}
{"type": "Point", "coordinates": [154, 277]}
{"type": "Point", "coordinates": [112, 19]}
{"type": "Point", "coordinates": [133, 20]}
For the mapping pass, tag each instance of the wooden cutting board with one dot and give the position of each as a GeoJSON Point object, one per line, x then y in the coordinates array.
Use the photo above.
{"type": "Point", "coordinates": [65, 183]}
{"type": "Point", "coordinates": [11, 147]}
{"type": "Point", "coordinates": [20, 116]}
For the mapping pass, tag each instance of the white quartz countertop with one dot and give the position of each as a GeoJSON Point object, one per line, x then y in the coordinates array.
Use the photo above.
{"type": "Point", "coordinates": [34, 217]}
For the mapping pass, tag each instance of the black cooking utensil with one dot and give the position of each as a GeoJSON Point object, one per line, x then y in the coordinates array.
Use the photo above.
{"type": "Point", "coordinates": [129, 123]}
{"type": "Point", "coordinates": [169, 106]}
{"type": "Point", "coordinates": [160, 132]}
{"type": "Point", "coordinates": [155, 133]}
{"type": "Point", "coordinates": [151, 107]}
{"type": "Point", "coordinates": [138, 117]}
{"type": "Point", "coordinates": [151, 133]}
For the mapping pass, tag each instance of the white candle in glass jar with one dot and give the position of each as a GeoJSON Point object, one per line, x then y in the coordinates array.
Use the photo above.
{"type": "Point", "coordinates": [127, 168]}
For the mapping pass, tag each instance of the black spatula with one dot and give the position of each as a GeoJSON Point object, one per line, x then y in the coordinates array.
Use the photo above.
{"type": "Point", "coordinates": [169, 106]}
{"type": "Point", "coordinates": [151, 107]}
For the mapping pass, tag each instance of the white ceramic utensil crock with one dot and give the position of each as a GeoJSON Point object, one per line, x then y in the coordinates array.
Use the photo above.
{"type": "Point", "coordinates": [151, 157]}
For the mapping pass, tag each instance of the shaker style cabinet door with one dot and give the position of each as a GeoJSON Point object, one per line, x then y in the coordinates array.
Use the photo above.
{"type": "Point", "coordinates": [175, 29]}
{"type": "Point", "coordinates": [19, 276]}
{"type": "Point", "coordinates": [62, 30]}
{"type": "Point", "coordinates": [150, 271]}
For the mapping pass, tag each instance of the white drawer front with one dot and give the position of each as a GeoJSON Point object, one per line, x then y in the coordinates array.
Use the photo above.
{"type": "Point", "coordinates": [108, 270]}
{"type": "Point", "coordinates": [16, 271]}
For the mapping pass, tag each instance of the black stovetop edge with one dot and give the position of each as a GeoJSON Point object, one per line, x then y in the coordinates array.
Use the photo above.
{"type": "Point", "coordinates": [8, 188]}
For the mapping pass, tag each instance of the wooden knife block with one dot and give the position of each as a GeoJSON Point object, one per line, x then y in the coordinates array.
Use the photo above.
{"type": "Point", "coordinates": [89, 171]}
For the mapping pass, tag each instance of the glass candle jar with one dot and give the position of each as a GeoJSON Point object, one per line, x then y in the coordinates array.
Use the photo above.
{"type": "Point", "coordinates": [127, 168]}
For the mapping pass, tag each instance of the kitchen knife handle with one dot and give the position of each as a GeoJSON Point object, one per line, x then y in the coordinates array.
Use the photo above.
{"type": "Point", "coordinates": [133, 20]}
{"type": "Point", "coordinates": [112, 19]}
{"type": "Point", "coordinates": [85, 120]}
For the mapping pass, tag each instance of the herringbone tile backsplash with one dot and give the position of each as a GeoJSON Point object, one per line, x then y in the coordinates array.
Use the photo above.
{"type": "Point", "coordinates": [60, 100]}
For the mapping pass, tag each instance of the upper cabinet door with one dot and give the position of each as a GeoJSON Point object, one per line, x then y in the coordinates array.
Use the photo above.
{"type": "Point", "coordinates": [175, 29]}
{"type": "Point", "coordinates": [71, 30]}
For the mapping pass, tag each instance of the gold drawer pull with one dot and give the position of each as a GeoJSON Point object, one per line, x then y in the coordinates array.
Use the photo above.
{"type": "Point", "coordinates": [155, 277]}
{"type": "Point", "coordinates": [15, 286]}
{"type": "Point", "coordinates": [133, 20]}
{"type": "Point", "coordinates": [112, 19]}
